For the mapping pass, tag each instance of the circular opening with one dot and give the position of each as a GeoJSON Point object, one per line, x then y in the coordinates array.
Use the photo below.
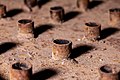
{"type": "Point", "coordinates": [91, 24]}
{"type": "Point", "coordinates": [56, 8]}
{"type": "Point", "coordinates": [61, 41]}
{"type": "Point", "coordinates": [25, 21]}
{"type": "Point", "coordinates": [106, 69]}
{"type": "Point", "coordinates": [20, 66]}
{"type": "Point", "coordinates": [115, 10]}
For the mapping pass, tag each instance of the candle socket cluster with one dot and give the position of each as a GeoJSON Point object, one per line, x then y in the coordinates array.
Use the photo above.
{"type": "Point", "coordinates": [61, 48]}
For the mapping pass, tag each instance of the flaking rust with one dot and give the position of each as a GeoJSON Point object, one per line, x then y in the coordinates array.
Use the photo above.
{"type": "Point", "coordinates": [114, 15]}
{"type": "Point", "coordinates": [25, 30]}
{"type": "Point", "coordinates": [61, 49]}
{"type": "Point", "coordinates": [29, 4]}
{"type": "Point", "coordinates": [92, 31]}
{"type": "Point", "coordinates": [20, 71]}
{"type": "Point", "coordinates": [82, 5]}
{"type": "Point", "coordinates": [108, 72]}
{"type": "Point", "coordinates": [57, 14]}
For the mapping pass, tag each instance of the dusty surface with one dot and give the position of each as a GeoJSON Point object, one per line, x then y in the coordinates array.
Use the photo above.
{"type": "Point", "coordinates": [90, 56]}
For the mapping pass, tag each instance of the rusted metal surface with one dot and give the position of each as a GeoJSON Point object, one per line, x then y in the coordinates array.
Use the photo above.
{"type": "Point", "coordinates": [61, 49]}
{"type": "Point", "coordinates": [25, 26]}
{"type": "Point", "coordinates": [82, 5]}
{"type": "Point", "coordinates": [108, 72]}
{"type": "Point", "coordinates": [92, 31]}
{"type": "Point", "coordinates": [25, 29]}
{"type": "Point", "coordinates": [30, 3]}
{"type": "Point", "coordinates": [57, 14]}
{"type": "Point", "coordinates": [114, 16]}
{"type": "Point", "coordinates": [20, 71]}
{"type": "Point", "coordinates": [2, 10]}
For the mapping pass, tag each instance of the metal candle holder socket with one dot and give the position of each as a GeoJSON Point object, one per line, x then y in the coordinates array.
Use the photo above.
{"type": "Point", "coordinates": [92, 31]}
{"type": "Point", "coordinates": [114, 16]}
{"type": "Point", "coordinates": [61, 49]}
{"type": "Point", "coordinates": [30, 3]}
{"type": "Point", "coordinates": [2, 10]}
{"type": "Point", "coordinates": [25, 26]}
{"type": "Point", "coordinates": [57, 14]}
{"type": "Point", "coordinates": [20, 71]}
{"type": "Point", "coordinates": [25, 29]}
{"type": "Point", "coordinates": [107, 72]}
{"type": "Point", "coordinates": [82, 5]}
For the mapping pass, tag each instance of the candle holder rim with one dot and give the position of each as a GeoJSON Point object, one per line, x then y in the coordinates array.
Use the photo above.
{"type": "Point", "coordinates": [28, 21]}
{"type": "Point", "coordinates": [114, 9]}
{"type": "Point", "coordinates": [92, 24]}
{"type": "Point", "coordinates": [27, 63]}
{"type": "Point", "coordinates": [61, 44]}
{"type": "Point", "coordinates": [109, 73]}
{"type": "Point", "coordinates": [56, 8]}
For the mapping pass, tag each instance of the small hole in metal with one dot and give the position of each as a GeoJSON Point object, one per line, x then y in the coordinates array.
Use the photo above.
{"type": "Point", "coordinates": [56, 8]}
{"type": "Point", "coordinates": [106, 69]}
{"type": "Point", "coordinates": [91, 24]}
{"type": "Point", "coordinates": [60, 41]}
{"type": "Point", "coordinates": [20, 66]}
{"type": "Point", "coordinates": [24, 21]}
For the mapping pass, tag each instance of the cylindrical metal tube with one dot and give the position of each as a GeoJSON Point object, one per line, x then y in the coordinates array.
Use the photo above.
{"type": "Point", "coordinates": [61, 49]}
{"type": "Point", "coordinates": [20, 71]}
{"type": "Point", "coordinates": [82, 5]}
{"type": "Point", "coordinates": [2, 10]}
{"type": "Point", "coordinates": [92, 31]}
{"type": "Point", "coordinates": [25, 29]}
{"type": "Point", "coordinates": [26, 26]}
{"type": "Point", "coordinates": [57, 14]}
{"type": "Point", "coordinates": [30, 3]}
{"type": "Point", "coordinates": [114, 16]}
{"type": "Point", "coordinates": [107, 72]}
